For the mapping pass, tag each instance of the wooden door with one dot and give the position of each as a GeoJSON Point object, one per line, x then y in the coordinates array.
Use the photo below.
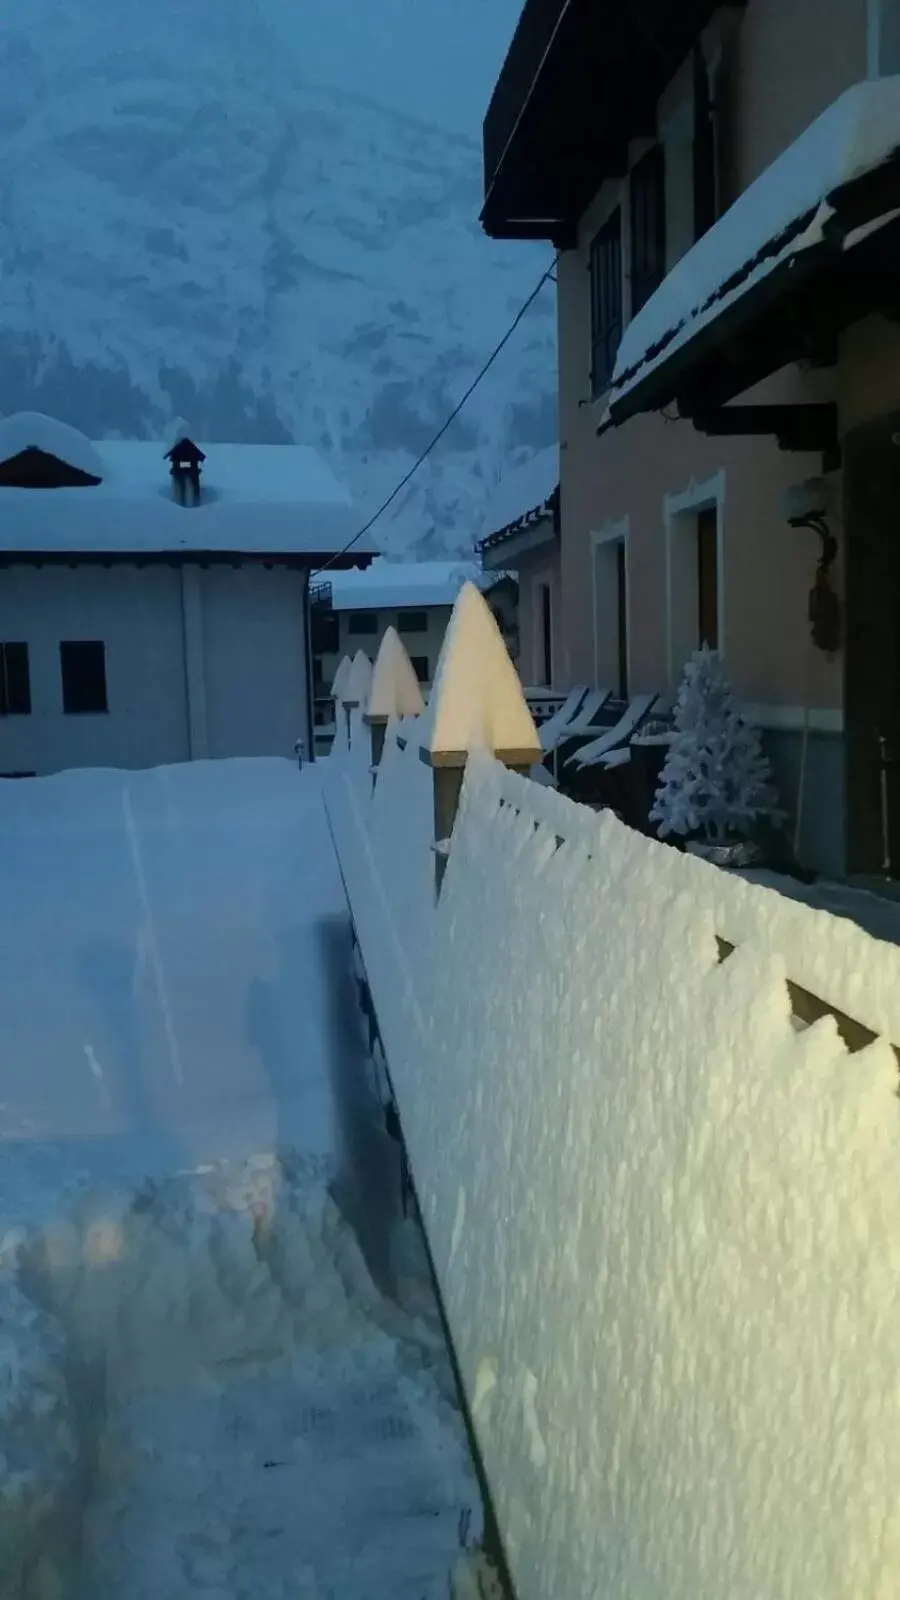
{"type": "Point", "coordinates": [871, 457]}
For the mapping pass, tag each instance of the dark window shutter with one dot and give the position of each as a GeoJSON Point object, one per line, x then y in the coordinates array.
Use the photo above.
{"type": "Point", "coordinates": [648, 226]}
{"type": "Point", "coordinates": [83, 665]}
{"type": "Point", "coordinates": [606, 301]}
{"type": "Point", "coordinates": [704, 149]}
{"type": "Point", "coordinates": [15, 681]}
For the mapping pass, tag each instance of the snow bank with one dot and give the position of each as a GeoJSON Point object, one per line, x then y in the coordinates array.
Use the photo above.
{"type": "Point", "coordinates": [773, 219]}
{"type": "Point", "coordinates": [663, 1213]}
{"type": "Point", "coordinates": [151, 1326]}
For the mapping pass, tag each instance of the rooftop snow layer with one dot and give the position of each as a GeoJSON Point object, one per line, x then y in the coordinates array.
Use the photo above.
{"type": "Point", "coordinates": [31, 430]}
{"type": "Point", "coordinates": [773, 219]}
{"type": "Point", "coordinates": [396, 584]}
{"type": "Point", "coordinates": [522, 490]}
{"type": "Point", "coordinates": [263, 498]}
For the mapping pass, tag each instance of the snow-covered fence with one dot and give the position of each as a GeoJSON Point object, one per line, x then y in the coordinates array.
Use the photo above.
{"type": "Point", "coordinates": [664, 1210]}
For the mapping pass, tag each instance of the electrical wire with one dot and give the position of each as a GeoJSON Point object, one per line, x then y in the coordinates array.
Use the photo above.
{"type": "Point", "coordinates": [526, 306]}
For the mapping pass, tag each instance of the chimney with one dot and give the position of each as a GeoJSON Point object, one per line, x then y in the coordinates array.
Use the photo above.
{"type": "Point", "coordinates": [186, 460]}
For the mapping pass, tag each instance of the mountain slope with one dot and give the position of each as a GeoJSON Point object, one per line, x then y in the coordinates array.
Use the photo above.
{"type": "Point", "coordinates": [189, 227]}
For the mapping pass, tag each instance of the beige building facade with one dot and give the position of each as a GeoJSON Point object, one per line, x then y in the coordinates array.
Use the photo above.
{"type": "Point", "coordinates": [673, 533]}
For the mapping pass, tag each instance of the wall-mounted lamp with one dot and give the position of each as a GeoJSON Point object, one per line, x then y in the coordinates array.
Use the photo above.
{"type": "Point", "coordinates": [804, 506]}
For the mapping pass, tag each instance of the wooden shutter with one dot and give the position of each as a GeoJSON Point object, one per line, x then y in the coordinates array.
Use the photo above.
{"type": "Point", "coordinates": [704, 149]}
{"type": "Point", "coordinates": [648, 226]}
{"type": "Point", "coordinates": [606, 301]}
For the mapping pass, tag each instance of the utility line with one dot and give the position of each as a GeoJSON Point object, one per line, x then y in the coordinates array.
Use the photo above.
{"type": "Point", "coordinates": [545, 277]}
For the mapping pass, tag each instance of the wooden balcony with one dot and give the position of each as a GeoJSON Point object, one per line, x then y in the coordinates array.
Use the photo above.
{"type": "Point", "coordinates": [581, 78]}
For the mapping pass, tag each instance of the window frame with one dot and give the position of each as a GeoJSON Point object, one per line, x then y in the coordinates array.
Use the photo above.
{"type": "Point", "coordinates": [606, 302]}
{"type": "Point", "coordinates": [647, 221]}
{"type": "Point", "coordinates": [421, 667]}
{"type": "Point", "coordinates": [683, 624]}
{"type": "Point", "coordinates": [67, 647]}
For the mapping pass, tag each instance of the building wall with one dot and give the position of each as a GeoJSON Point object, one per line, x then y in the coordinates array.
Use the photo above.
{"type": "Point", "coordinates": [775, 67]}
{"type": "Point", "coordinates": [137, 614]}
{"type": "Point", "coordinates": [426, 644]}
{"type": "Point", "coordinates": [254, 657]}
{"type": "Point", "coordinates": [199, 663]}
{"type": "Point", "coordinates": [535, 573]}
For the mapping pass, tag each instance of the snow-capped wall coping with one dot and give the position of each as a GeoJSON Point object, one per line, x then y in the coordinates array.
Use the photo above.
{"type": "Point", "coordinates": [266, 498]}
{"type": "Point", "coordinates": [858, 132]}
{"type": "Point", "coordinates": [393, 585]}
{"type": "Point", "coordinates": [395, 690]}
{"type": "Point", "coordinates": [340, 678]}
{"type": "Point", "coordinates": [476, 700]}
{"type": "Point", "coordinates": [356, 685]}
{"type": "Point", "coordinates": [31, 430]}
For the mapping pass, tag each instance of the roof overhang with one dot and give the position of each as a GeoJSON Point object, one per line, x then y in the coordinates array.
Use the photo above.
{"type": "Point", "coordinates": [788, 301]}
{"type": "Point", "coordinates": [580, 80]}
{"type": "Point", "coordinates": [305, 561]}
{"type": "Point", "coordinates": [504, 551]}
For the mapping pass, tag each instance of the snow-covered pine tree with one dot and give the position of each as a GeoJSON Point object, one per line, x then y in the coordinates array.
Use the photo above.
{"type": "Point", "coordinates": [716, 782]}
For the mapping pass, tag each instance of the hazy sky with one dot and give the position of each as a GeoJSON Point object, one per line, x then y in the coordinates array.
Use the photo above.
{"type": "Point", "coordinates": [436, 59]}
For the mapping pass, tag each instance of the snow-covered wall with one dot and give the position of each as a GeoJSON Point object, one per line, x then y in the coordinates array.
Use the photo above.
{"type": "Point", "coordinates": [663, 1212]}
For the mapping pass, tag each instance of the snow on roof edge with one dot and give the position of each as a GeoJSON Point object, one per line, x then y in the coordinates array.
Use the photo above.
{"type": "Point", "coordinates": [776, 214]}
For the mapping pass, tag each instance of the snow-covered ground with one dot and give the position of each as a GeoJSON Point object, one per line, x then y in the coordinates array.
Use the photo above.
{"type": "Point", "coordinates": [220, 1370]}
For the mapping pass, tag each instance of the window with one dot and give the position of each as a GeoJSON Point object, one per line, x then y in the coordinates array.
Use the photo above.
{"type": "Point", "coordinates": [611, 610]}
{"type": "Point", "coordinates": [83, 663]}
{"type": "Point", "coordinates": [362, 622]}
{"type": "Point", "coordinates": [15, 681]}
{"type": "Point", "coordinates": [412, 621]}
{"type": "Point", "coordinates": [606, 301]}
{"type": "Point", "coordinates": [325, 632]}
{"type": "Point", "coordinates": [648, 226]}
{"type": "Point", "coordinates": [693, 573]}
{"type": "Point", "coordinates": [708, 577]}
{"type": "Point", "coordinates": [420, 667]}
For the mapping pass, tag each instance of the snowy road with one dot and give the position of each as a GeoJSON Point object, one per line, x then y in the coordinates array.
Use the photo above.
{"type": "Point", "coordinates": [175, 994]}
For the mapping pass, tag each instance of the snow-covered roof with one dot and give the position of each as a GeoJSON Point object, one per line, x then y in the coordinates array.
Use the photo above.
{"type": "Point", "coordinates": [783, 213]}
{"type": "Point", "coordinates": [25, 430]}
{"type": "Point", "coordinates": [395, 584]}
{"type": "Point", "coordinates": [256, 499]}
{"type": "Point", "coordinates": [521, 492]}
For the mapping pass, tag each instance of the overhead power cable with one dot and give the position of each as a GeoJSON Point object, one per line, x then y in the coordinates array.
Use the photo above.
{"type": "Point", "coordinates": [526, 306]}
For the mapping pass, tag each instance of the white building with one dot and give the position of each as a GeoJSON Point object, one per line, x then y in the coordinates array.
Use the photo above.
{"type": "Point", "coordinates": [353, 610]}
{"type": "Point", "coordinates": [137, 630]}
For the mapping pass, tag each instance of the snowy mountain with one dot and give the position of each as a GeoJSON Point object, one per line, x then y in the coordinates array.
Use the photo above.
{"type": "Point", "coordinates": [188, 226]}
